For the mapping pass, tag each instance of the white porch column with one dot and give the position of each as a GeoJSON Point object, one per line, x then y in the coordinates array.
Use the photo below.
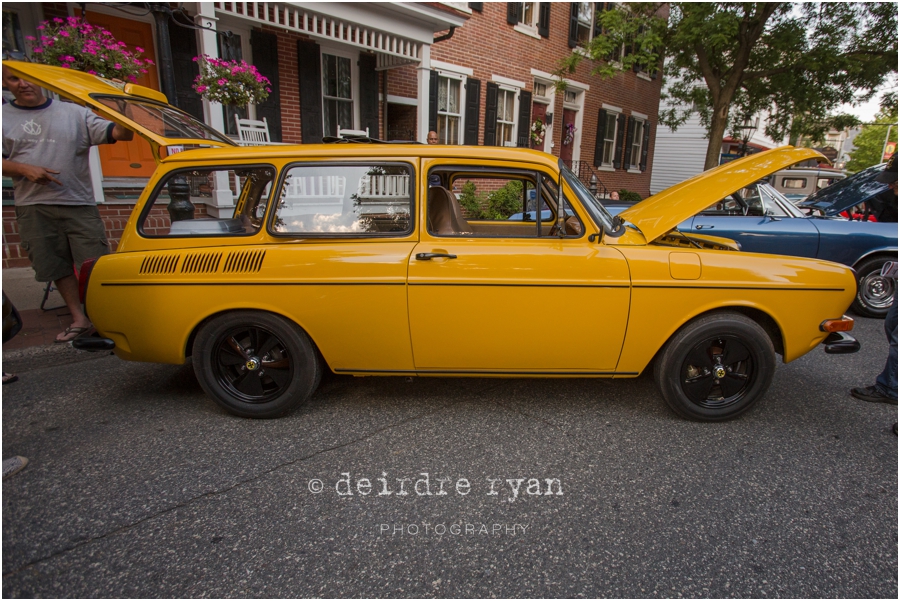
{"type": "Point", "coordinates": [222, 204]}
{"type": "Point", "coordinates": [423, 71]}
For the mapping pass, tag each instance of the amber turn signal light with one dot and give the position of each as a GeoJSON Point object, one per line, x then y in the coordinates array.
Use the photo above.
{"type": "Point", "coordinates": [844, 324]}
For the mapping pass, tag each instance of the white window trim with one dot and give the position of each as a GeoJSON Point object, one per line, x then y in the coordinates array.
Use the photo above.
{"type": "Point", "coordinates": [529, 29]}
{"type": "Point", "coordinates": [442, 66]}
{"type": "Point", "coordinates": [608, 107]}
{"type": "Point", "coordinates": [402, 100]}
{"type": "Point", "coordinates": [638, 115]}
{"type": "Point", "coordinates": [506, 81]}
{"type": "Point", "coordinates": [335, 50]}
{"type": "Point", "coordinates": [460, 134]}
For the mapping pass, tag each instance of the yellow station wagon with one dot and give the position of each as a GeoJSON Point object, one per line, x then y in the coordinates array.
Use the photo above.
{"type": "Point", "coordinates": [413, 260]}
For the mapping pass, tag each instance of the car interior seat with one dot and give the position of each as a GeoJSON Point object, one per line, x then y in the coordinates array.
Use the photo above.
{"type": "Point", "coordinates": [444, 213]}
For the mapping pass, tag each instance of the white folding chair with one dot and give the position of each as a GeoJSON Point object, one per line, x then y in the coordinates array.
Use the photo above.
{"type": "Point", "coordinates": [252, 132]}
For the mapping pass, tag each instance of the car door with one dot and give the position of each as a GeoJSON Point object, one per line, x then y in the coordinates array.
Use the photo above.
{"type": "Point", "coordinates": [760, 223]}
{"type": "Point", "coordinates": [500, 298]}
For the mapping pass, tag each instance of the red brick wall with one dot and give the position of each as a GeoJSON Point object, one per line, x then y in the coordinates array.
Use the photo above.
{"type": "Point", "coordinates": [490, 46]}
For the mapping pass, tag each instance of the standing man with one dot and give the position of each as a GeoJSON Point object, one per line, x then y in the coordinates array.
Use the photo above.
{"type": "Point", "coordinates": [432, 137]}
{"type": "Point", "coordinates": [46, 145]}
{"type": "Point", "coordinates": [885, 388]}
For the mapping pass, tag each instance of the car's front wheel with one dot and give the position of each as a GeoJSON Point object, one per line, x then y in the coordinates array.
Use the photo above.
{"type": "Point", "coordinates": [256, 364]}
{"type": "Point", "coordinates": [874, 293]}
{"type": "Point", "coordinates": [716, 367]}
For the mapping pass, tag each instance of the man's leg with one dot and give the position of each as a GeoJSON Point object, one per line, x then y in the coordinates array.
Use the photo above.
{"type": "Point", "coordinates": [68, 289]}
{"type": "Point", "coordinates": [887, 379]}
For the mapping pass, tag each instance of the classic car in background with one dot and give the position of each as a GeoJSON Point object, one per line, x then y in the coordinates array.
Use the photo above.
{"type": "Point", "coordinates": [766, 222]}
{"type": "Point", "coordinates": [358, 258]}
{"type": "Point", "coordinates": [798, 183]}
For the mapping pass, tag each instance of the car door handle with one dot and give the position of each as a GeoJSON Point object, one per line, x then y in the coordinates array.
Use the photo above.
{"type": "Point", "coordinates": [705, 227]}
{"type": "Point", "coordinates": [430, 256]}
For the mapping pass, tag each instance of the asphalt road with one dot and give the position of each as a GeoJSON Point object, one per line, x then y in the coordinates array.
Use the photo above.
{"type": "Point", "coordinates": [139, 486]}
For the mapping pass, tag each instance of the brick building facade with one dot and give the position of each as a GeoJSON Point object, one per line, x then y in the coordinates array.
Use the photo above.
{"type": "Point", "coordinates": [478, 73]}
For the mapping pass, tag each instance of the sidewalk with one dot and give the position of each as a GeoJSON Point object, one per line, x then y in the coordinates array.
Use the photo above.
{"type": "Point", "coordinates": [39, 328]}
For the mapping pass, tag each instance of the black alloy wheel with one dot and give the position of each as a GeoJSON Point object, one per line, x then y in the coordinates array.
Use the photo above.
{"type": "Point", "coordinates": [715, 367]}
{"type": "Point", "coordinates": [256, 364]}
{"type": "Point", "coordinates": [717, 372]}
{"type": "Point", "coordinates": [252, 363]}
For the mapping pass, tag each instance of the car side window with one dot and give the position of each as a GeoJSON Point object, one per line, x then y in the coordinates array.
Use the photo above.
{"type": "Point", "coordinates": [180, 204]}
{"type": "Point", "coordinates": [479, 202]}
{"type": "Point", "coordinates": [345, 199]}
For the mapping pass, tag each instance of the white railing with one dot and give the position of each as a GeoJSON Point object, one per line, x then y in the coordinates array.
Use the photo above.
{"type": "Point", "coordinates": [384, 187]}
{"type": "Point", "coordinates": [316, 25]}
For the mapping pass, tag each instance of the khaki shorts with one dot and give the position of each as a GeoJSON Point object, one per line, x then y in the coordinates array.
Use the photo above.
{"type": "Point", "coordinates": [59, 238]}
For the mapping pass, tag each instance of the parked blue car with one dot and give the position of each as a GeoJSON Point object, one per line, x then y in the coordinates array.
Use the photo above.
{"type": "Point", "coordinates": [767, 222]}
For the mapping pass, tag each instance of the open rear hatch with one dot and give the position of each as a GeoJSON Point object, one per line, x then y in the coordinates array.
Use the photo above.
{"type": "Point", "coordinates": [138, 108]}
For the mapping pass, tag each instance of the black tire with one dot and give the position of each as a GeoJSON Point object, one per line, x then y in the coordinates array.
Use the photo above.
{"type": "Point", "coordinates": [256, 364]}
{"type": "Point", "coordinates": [715, 368]}
{"type": "Point", "coordinates": [874, 294]}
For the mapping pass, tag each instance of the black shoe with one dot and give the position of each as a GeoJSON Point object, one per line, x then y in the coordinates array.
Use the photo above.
{"type": "Point", "coordinates": [870, 394]}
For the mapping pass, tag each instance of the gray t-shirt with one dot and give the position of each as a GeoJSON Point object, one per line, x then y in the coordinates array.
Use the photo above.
{"type": "Point", "coordinates": [56, 135]}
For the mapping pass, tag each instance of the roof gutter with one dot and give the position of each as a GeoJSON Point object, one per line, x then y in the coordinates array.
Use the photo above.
{"type": "Point", "coordinates": [446, 36]}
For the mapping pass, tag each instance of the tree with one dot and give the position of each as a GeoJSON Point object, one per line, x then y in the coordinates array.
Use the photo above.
{"type": "Point", "coordinates": [870, 141]}
{"type": "Point", "coordinates": [729, 61]}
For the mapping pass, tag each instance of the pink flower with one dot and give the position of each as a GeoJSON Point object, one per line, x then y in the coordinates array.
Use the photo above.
{"type": "Point", "coordinates": [41, 27]}
{"type": "Point", "coordinates": [64, 33]}
{"type": "Point", "coordinates": [37, 50]}
{"type": "Point", "coordinates": [64, 66]}
{"type": "Point", "coordinates": [148, 61]}
{"type": "Point", "coordinates": [92, 72]}
{"type": "Point", "coordinates": [222, 82]}
{"type": "Point", "coordinates": [138, 49]}
{"type": "Point", "coordinates": [57, 20]}
{"type": "Point", "coordinates": [30, 38]}
{"type": "Point", "coordinates": [201, 89]}
{"type": "Point", "coordinates": [68, 59]}
{"type": "Point", "coordinates": [117, 66]}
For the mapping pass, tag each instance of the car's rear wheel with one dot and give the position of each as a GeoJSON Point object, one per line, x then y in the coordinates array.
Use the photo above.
{"type": "Point", "coordinates": [874, 293]}
{"type": "Point", "coordinates": [716, 367]}
{"type": "Point", "coordinates": [256, 364]}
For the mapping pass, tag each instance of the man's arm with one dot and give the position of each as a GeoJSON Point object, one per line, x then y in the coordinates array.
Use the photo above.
{"type": "Point", "coordinates": [122, 134]}
{"type": "Point", "coordinates": [33, 173]}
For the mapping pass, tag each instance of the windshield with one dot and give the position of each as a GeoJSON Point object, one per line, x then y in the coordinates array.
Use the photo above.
{"type": "Point", "coordinates": [776, 203]}
{"type": "Point", "coordinates": [161, 119]}
{"type": "Point", "coordinates": [597, 211]}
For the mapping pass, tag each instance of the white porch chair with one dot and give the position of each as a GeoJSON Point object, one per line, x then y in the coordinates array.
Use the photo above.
{"type": "Point", "coordinates": [252, 132]}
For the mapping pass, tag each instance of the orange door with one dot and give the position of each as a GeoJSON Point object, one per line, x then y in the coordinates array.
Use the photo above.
{"type": "Point", "coordinates": [129, 159]}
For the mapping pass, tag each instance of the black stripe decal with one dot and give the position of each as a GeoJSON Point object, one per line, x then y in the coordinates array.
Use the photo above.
{"type": "Point", "coordinates": [491, 373]}
{"type": "Point", "coordinates": [784, 288]}
{"type": "Point", "coordinates": [253, 284]}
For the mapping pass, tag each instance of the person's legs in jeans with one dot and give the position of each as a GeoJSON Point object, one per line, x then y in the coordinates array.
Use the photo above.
{"type": "Point", "coordinates": [886, 382]}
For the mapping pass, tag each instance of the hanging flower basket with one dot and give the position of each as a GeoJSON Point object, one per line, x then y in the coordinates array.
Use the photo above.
{"type": "Point", "coordinates": [569, 138]}
{"type": "Point", "coordinates": [538, 129]}
{"type": "Point", "coordinates": [234, 83]}
{"type": "Point", "coordinates": [73, 43]}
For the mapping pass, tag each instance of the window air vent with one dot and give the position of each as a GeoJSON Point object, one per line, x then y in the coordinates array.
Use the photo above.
{"type": "Point", "coordinates": [201, 263]}
{"type": "Point", "coordinates": [159, 264]}
{"type": "Point", "coordinates": [244, 262]}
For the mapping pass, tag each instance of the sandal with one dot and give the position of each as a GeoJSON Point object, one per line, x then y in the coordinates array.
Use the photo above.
{"type": "Point", "coordinates": [72, 333]}
{"type": "Point", "coordinates": [10, 378]}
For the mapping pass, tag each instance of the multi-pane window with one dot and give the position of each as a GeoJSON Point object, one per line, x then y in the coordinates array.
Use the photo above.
{"type": "Point", "coordinates": [638, 140]}
{"type": "Point", "coordinates": [609, 140]}
{"type": "Point", "coordinates": [449, 116]}
{"type": "Point", "coordinates": [506, 117]}
{"type": "Point", "coordinates": [585, 23]}
{"type": "Point", "coordinates": [337, 94]}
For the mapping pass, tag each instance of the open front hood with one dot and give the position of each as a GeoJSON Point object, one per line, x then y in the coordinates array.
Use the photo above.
{"type": "Point", "coordinates": [140, 109]}
{"type": "Point", "coordinates": [846, 193]}
{"type": "Point", "coordinates": [661, 212]}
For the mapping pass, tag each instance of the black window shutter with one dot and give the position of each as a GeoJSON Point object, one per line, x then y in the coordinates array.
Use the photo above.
{"type": "Point", "coordinates": [573, 25]}
{"type": "Point", "coordinates": [473, 101]}
{"type": "Point", "coordinates": [368, 94]}
{"type": "Point", "coordinates": [310, 79]}
{"type": "Point", "coordinates": [544, 20]}
{"type": "Point", "coordinates": [184, 49]}
{"type": "Point", "coordinates": [490, 114]}
{"type": "Point", "coordinates": [618, 153]}
{"type": "Point", "coordinates": [479, 6]}
{"type": "Point", "coordinates": [523, 132]}
{"type": "Point", "coordinates": [601, 131]}
{"type": "Point", "coordinates": [645, 146]}
{"type": "Point", "coordinates": [629, 142]}
{"type": "Point", "coordinates": [433, 101]}
{"type": "Point", "coordinates": [599, 7]}
{"type": "Point", "coordinates": [265, 58]}
{"type": "Point", "coordinates": [513, 10]}
{"type": "Point", "coordinates": [230, 50]}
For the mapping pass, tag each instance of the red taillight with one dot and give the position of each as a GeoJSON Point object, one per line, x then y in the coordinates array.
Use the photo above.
{"type": "Point", "coordinates": [83, 278]}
